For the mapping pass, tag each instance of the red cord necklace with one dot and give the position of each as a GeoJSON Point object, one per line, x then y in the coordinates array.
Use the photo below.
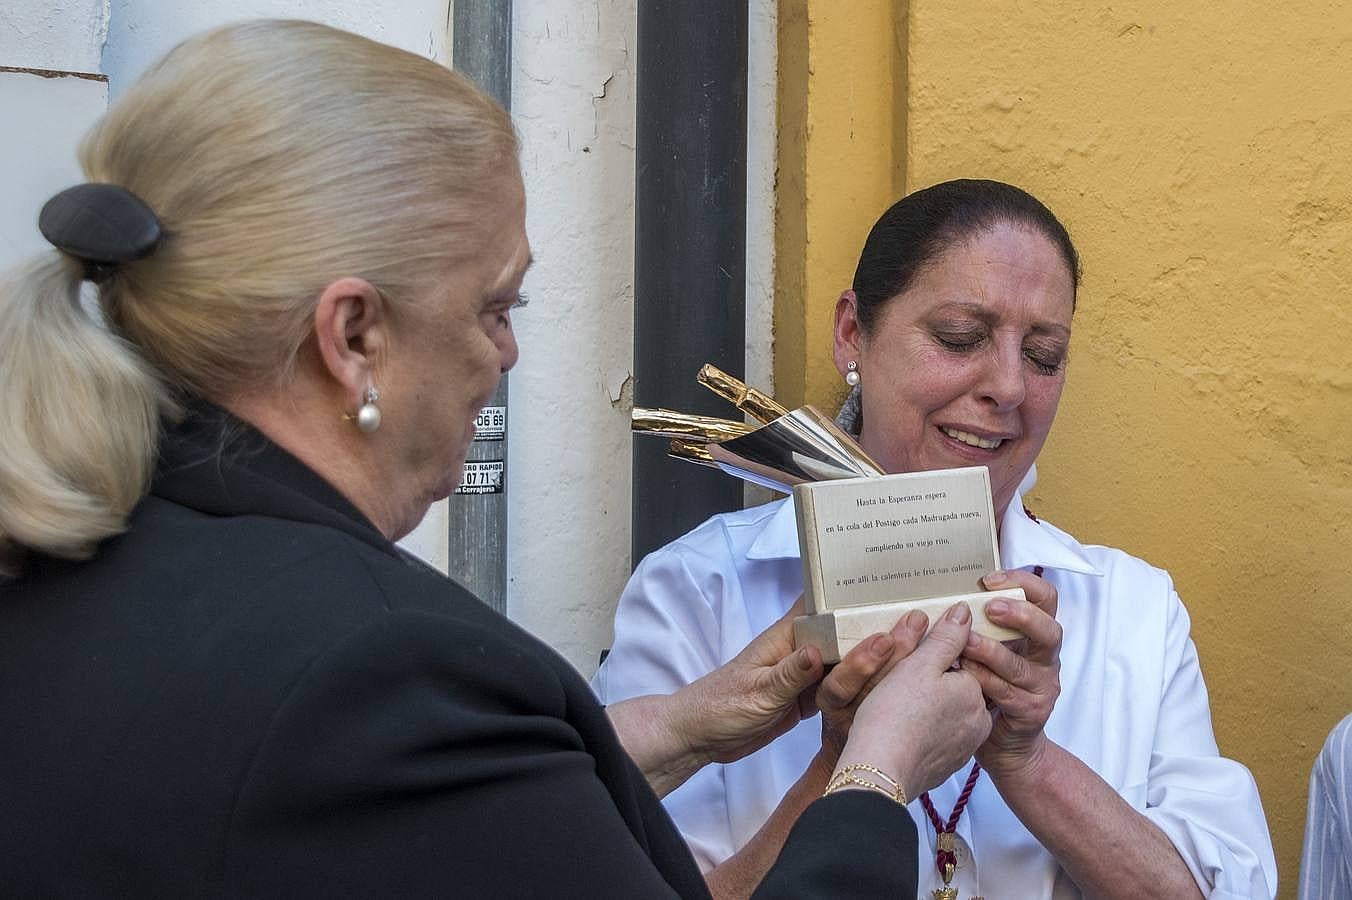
{"type": "Point", "coordinates": [946, 859]}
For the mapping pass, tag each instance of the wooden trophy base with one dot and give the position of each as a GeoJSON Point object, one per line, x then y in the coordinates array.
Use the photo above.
{"type": "Point", "coordinates": [837, 632]}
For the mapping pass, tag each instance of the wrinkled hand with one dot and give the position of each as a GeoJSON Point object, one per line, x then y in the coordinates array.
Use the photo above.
{"type": "Point", "coordinates": [858, 672]}
{"type": "Point", "coordinates": [1021, 680]}
{"type": "Point", "coordinates": [924, 718]}
{"type": "Point", "coordinates": [752, 699]}
{"type": "Point", "coordinates": [769, 687]}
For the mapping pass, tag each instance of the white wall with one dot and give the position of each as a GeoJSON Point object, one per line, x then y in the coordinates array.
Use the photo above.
{"type": "Point", "coordinates": [141, 31]}
{"type": "Point", "coordinates": [44, 118]}
{"type": "Point", "coordinates": [573, 102]}
{"type": "Point", "coordinates": [569, 457]}
{"type": "Point", "coordinates": [65, 35]}
{"type": "Point", "coordinates": [46, 107]}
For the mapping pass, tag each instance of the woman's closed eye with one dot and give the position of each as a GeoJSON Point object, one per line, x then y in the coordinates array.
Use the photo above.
{"type": "Point", "coordinates": [960, 341]}
{"type": "Point", "coordinates": [1046, 360]}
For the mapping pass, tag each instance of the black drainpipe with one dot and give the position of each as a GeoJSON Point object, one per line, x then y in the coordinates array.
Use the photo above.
{"type": "Point", "coordinates": [689, 245]}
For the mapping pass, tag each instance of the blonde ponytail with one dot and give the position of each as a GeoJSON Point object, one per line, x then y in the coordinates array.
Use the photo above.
{"type": "Point", "coordinates": [277, 156]}
{"type": "Point", "coordinates": [81, 412]}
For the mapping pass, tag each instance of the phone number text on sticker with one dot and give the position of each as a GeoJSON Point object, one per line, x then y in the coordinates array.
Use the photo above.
{"type": "Point", "coordinates": [491, 424]}
{"type": "Point", "coordinates": [482, 476]}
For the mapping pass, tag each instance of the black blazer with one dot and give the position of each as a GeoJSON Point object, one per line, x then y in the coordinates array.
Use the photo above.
{"type": "Point", "coordinates": [253, 693]}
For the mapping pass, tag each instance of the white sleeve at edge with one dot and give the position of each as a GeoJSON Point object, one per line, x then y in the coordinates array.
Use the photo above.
{"type": "Point", "coordinates": [666, 636]}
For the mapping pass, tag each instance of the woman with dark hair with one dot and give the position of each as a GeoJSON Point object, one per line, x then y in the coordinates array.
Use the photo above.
{"type": "Point", "coordinates": [1101, 775]}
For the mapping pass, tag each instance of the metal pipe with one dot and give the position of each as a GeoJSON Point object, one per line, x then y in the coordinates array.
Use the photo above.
{"type": "Point", "coordinates": [481, 48]}
{"type": "Point", "coordinates": [689, 243]}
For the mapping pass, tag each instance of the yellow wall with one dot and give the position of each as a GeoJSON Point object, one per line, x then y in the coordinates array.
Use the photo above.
{"type": "Point", "coordinates": [840, 160]}
{"type": "Point", "coordinates": [1199, 155]}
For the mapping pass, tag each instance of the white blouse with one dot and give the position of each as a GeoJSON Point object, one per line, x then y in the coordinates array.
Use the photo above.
{"type": "Point", "coordinates": [1133, 706]}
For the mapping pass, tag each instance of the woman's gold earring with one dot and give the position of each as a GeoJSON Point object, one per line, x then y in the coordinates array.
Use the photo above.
{"type": "Point", "coordinates": [852, 376]}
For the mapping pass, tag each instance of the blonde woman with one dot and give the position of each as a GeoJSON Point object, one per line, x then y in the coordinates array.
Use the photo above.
{"type": "Point", "coordinates": [221, 676]}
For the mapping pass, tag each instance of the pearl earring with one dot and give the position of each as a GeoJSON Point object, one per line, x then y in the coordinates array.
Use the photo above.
{"type": "Point", "coordinates": [852, 376]}
{"type": "Point", "coordinates": [368, 417]}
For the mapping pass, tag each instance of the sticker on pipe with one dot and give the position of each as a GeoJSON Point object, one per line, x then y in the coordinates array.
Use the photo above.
{"type": "Point", "coordinates": [491, 424]}
{"type": "Point", "coordinates": [482, 476]}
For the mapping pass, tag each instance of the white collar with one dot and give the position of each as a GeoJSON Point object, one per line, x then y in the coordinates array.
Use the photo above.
{"type": "Point", "coordinates": [1024, 541]}
{"type": "Point", "coordinates": [779, 538]}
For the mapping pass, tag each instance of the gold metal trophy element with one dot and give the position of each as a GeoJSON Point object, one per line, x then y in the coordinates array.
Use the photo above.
{"type": "Point", "coordinates": [665, 423]}
{"type": "Point", "coordinates": [803, 447]}
{"type": "Point", "coordinates": [788, 448]}
{"type": "Point", "coordinates": [749, 400]}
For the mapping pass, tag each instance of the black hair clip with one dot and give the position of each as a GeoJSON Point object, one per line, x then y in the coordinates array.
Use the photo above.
{"type": "Point", "coordinates": [102, 225]}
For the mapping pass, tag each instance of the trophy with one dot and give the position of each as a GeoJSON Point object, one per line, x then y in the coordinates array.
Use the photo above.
{"type": "Point", "coordinates": [874, 546]}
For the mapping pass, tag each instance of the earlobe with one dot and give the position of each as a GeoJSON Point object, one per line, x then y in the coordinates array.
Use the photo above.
{"type": "Point", "coordinates": [350, 335]}
{"type": "Point", "coordinates": [848, 336]}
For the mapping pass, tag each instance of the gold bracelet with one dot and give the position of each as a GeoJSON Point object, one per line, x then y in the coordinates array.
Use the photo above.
{"type": "Point", "coordinates": [849, 781]}
{"type": "Point", "coordinates": [844, 779]}
{"type": "Point", "coordinates": [848, 771]}
{"type": "Point", "coordinates": [874, 770]}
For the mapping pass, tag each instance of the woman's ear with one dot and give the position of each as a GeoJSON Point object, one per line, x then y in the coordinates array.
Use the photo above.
{"type": "Point", "coordinates": [351, 335]}
{"type": "Point", "coordinates": [848, 345]}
